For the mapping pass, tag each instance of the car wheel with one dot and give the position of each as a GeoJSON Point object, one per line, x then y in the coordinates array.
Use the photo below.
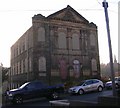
{"type": "Point", "coordinates": [81, 92]}
{"type": "Point", "coordinates": [117, 86]}
{"type": "Point", "coordinates": [100, 88]}
{"type": "Point", "coordinates": [55, 95]}
{"type": "Point", "coordinates": [18, 100]}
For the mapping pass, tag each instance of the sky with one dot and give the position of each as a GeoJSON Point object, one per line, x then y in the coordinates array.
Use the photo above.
{"type": "Point", "coordinates": [16, 19]}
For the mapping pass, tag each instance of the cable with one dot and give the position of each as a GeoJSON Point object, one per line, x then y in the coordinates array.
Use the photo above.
{"type": "Point", "coordinates": [55, 10]}
{"type": "Point", "coordinates": [49, 10]}
{"type": "Point", "coordinates": [110, 3]}
{"type": "Point", "coordinates": [99, 3]}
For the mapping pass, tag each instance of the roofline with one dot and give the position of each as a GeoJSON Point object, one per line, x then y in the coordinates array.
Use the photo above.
{"type": "Point", "coordinates": [69, 8]}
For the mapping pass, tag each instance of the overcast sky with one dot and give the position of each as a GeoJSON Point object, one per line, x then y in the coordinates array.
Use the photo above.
{"type": "Point", "coordinates": [16, 18]}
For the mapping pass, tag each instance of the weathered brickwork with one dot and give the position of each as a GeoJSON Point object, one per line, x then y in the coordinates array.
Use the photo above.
{"type": "Point", "coordinates": [60, 47]}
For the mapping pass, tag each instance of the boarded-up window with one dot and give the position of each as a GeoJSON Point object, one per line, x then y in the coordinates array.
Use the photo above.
{"type": "Point", "coordinates": [42, 64]}
{"type": "Point", "coordinates": [18, 67]}
{"type": "Point", "coordinates": [41, 34]}
{"type": "Point", "coordinates": [70, 43]}
{"type": "Point", "coordinates": [21, 66]}
{"type": "Point", "coordinates": [94, 65]}
{"type": "Point", "coordinates": [26, 64]}
{"type": "Point", "coordinates": [92, 40]}
{"type": "Point", "coordinates": [75, 41]}
{"type": "Point", "coordinates": [30, 64]}
{"type": "Point", "coordinates": [62, 40]}
{"type": "Point", "coordinates": [63, 68]}
{"type": "Point", "coordinates": [76, 66]}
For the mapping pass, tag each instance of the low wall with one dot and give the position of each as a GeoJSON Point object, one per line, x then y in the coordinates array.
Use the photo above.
{"type": "Point", "coordinates": [109, 101]}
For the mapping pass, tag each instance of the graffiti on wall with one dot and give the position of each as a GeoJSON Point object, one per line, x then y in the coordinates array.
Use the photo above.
{"type": "Point", "coordinates": [63, 68]}
{"type": "Point", "coordinates": [76, 66]}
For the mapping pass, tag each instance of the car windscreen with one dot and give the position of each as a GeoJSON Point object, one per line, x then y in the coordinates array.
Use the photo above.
{"type": "Point", "coordinates": [22, 86]}
{"type": "Point", "coordinates": [82, 82]}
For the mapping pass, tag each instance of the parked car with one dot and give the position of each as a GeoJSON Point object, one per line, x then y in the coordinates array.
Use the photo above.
{"type": "Point", "coordinates": [34, 89]}
{"type": "Point", "coordinates": [108, 84]}
{"type": "Point", "coordinates": [87, 86]}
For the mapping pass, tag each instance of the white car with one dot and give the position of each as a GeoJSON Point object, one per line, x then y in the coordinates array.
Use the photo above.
{"type": "Point", "coordinates": [108, 85]}
{"type": "Point", "coordinates": [87, 86]}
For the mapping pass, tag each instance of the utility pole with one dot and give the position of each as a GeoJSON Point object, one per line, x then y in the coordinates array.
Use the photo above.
{"type": "Point", "coordinates": [105, 5]}
{"type": "Point", "coordinates": [1, 84]}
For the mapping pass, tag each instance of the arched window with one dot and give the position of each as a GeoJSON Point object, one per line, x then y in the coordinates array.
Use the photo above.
{"type": "Point", "coordinates": [75, 41]}
{"type": "Point", "coordinates": [42, 64]}
{"type": "Point", "coordinates": [41, 34]}
{"type": "Point", "coordinates": [62, 40]}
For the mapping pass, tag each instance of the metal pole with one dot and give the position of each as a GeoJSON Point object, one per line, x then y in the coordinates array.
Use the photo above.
{"type": "Point", "coordinates": [1, 84]}
{"type": "Point", "coordinates": [105, 5]}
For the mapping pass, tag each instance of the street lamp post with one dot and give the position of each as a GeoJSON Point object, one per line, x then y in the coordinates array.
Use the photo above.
{"type": "Point", "coordinates": [105, 5]}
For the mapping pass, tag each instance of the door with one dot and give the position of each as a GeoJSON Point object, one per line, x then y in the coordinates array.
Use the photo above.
{"type": "Point", "coordinates": [95, 84]}
{"type": "Point", "coordinates": [88, 85]}
{"type": "Point", "coordinates": [30, 91]}
{"type": "Point", "coordinates": [41, 89]}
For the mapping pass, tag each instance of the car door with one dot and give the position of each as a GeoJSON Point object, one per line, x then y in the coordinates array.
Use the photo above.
{"type": "Point", "coordinates": [41, 89]}
{"type": "Point", "coordinates": [30, 91]}
{"type": "Point", "coordinates": [95, 84]}
{"type": "Point", "coordinates": [88, 85]}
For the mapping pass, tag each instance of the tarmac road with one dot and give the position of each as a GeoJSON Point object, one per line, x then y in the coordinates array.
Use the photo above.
{"type": "Point", "coordinates": [43, 102]}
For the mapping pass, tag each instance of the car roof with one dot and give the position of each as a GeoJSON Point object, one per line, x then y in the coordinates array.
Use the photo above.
{"type": "Point", "coordinates": [92, 79]}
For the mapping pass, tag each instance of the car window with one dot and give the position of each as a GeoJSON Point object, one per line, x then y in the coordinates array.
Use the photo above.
{"type": "Point", "coordinates": [118, 79]}
{"type": "Point", "coordinates": [22, 86]}
{"type": "Point", "coordinates": [31, 86]}
{"type": "Point", "coordinates": [89, 82]}
{"type": "Point", "coordinates": [39, 85]}
{"type": "Point", "coordinates": [95, 81]}
{"type": "Point", "coordinates": [82, 82]}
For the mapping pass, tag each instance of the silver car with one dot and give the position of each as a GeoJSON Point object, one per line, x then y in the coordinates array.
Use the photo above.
{"type": "Point", "coordinates": [87, 86]}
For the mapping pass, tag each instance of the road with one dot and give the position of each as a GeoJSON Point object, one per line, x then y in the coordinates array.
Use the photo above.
{"type": "Point", "coordinates": [91, 97]}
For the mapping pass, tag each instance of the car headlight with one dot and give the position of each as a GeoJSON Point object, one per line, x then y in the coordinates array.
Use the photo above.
{"type": "Point", "coordinates": [74, 89]}
{"type": "Point", "coordinates": [9, 94]}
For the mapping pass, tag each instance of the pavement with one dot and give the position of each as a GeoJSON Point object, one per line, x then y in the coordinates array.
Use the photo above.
{"type": "Point", "coordinates": [102, 101]}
